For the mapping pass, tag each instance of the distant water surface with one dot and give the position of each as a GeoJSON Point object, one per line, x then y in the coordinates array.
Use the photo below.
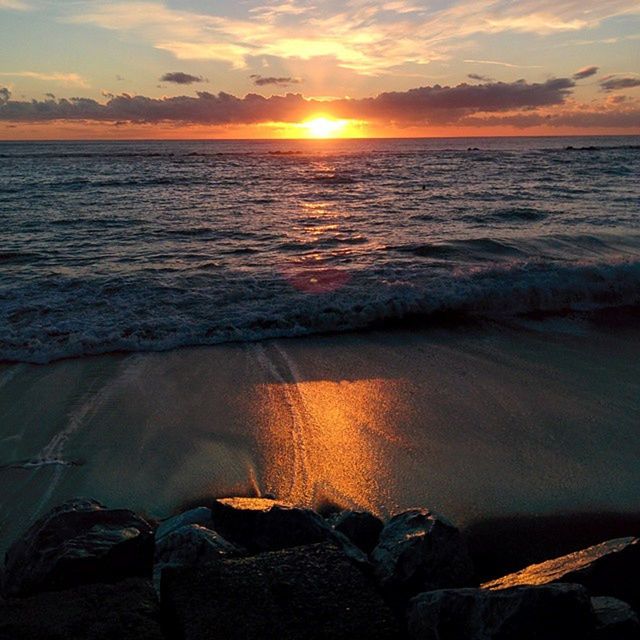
{"type": "Point", "coordinates": [144, 246]}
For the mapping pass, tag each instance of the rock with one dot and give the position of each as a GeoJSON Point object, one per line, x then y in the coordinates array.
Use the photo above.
{"type": "Point", "coordinates": [189, 546]}
{"type": "Point", "coordinates": [552, 612]}
{"type": "Point", "coordinates": [361, 527]}
{"type": "Point", "coordinates": [607, 569]}
{"type": "Point", "coordinates": [199, 515]}
{"type": "Point", "coordinates": [615, 620]}
{"type": "Point", "coordinates": [310, 592]}
{"type": "Point", "coordinates": [126, 610]}
{"type": "Point", "coordinates": [77, 543]}
{"type": "Point", "coordinates": [261, 524]}
{"type": "Point", "coordinates": [420, 551]}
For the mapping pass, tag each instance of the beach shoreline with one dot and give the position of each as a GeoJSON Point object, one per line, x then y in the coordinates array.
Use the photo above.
{"type": "Point", "coordinates": [480, 422]}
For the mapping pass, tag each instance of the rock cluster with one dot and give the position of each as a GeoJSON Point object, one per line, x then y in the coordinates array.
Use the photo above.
{"type": "Point", "coordinates": [256, 568]}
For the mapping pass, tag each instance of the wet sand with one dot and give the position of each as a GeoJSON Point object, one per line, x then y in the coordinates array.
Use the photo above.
{"type": "Point", "coordinates": [479, 422]}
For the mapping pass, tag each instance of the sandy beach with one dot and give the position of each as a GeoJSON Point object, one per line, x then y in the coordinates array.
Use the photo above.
{"type": "Point", "coordinates": [481, 422]}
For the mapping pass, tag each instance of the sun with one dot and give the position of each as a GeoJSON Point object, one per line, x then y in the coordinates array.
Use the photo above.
{"type": "Point", "coordinates": [324, 127]}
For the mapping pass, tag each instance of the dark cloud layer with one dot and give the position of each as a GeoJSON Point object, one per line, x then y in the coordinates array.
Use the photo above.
{"type": "Point", "coordinates": [442, 104]}
{"type": "Point", "coordinates": [589, 119]}
{"type": "Point", "coordinates": [424, 105]}
{"type": "Point", "coordinates": [585, 72]}
{"type": "Point", "coordinates": [178, 77]}
{"type": "Point", "coordinates": [477, 76]}
{"type": "Point", "coordinates": [262, 81]}
{"type": "Point", "coordinates": [614, 83]}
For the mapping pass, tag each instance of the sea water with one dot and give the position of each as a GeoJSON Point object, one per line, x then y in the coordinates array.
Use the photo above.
{"type": "Point", "coordinates": [149, 246]}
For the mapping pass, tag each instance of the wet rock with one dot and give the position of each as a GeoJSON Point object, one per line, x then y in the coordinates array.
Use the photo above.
{"type": "Point", "coordinates": [552, 612]}
{"type": "Point", "coordinates": [77, 543]}
{"type": "Point", "coordinates": [615, 620]}
{"type": "Point", "coordinates": [261, 524]}
{"type": "Point", "coordinates": [126, 610]}
{"type": "Point", "coordinates": [607, 569]}
{"type": "Point", "coordinates": [188, 546]}
{"type": "Point", "coordinates": [200, 516]}
{"type": "Point", "coordinates": [361, 527]}
{"type": "Point", "coordinates": [309, 592]}
{"type": "Point", "coordinates": [420, 551]}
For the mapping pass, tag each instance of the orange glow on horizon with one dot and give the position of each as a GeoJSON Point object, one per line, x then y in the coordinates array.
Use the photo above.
{"type": "Point", "coordinates": [318, 127]}
{"type": "Point", "coordinates": [324, 127]}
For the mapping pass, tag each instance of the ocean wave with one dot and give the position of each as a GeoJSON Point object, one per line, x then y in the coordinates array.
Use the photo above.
{"type": "Point", "coordinates": [87, 321]}
{"type": "Point", "coordinates": [591, 147]}
{"type": "Point", "coordinates": [507, 214]}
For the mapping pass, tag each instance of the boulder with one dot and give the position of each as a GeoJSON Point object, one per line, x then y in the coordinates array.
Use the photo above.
{"type": "Point", "coordinates": [361, 527]}
{"type": "Point", "coordinates": [552, 612]}
{"type": "Point", "coordinates": [420, 551]}
{"type": "Point", "coordinates": [615, 620]}
{"type": "Point", "coordinates": [126, 610]}
{"type": "Point", "coordinates": [261, 524]}
{"type": "Point", "coordinates": [309, 592]}
{"type": "Point", "coordinates": [607, 569]}
{"type": "Point", "coordinates": [77, 543]}
{"type": "Point", "coordinates": [189, 546]}
{"type": "Point", "coordinates": [200, 516]}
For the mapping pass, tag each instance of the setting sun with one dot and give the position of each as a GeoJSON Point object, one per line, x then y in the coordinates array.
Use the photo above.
{"type": "Point", "coordinates": [324, 127]}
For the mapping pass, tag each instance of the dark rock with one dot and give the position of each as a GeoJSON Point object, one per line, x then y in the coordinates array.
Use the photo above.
{"type": "Point", "coordinates": [421, 551]}
{"type": "Point", "coordinates": [199, 515]}
{"type": "Point", "coordinates": [261, 524]}
{"type": "Point", "coordinates": [77, 543]}
{"type": "Point", "coordinates": [607, 569]}
{"type": "Point", "coordinates": [615, 620]}
{"type": "Point", "coordinates": [361, 527]}
{"type": "Point", "coordinates": [311, 592]}
{"type": "Point", "coordinates": [189, 546]}
{"type": "Point", "coordinates": [126, 610]}
{"type": "Point", "coordinates": [552, 612]}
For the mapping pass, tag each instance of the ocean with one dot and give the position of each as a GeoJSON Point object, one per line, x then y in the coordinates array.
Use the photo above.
{"type": "Point", "coordinates": [374, 324]}
{"type": "Point", "coordinates": [150, 246]}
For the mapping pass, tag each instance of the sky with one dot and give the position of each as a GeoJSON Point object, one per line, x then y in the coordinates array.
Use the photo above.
{"type": "Point", "coordinates": [298, 68]}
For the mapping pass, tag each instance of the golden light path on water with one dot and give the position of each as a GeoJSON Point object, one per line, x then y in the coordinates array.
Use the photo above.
{"type": "Point", "coordinates": [324, 440]}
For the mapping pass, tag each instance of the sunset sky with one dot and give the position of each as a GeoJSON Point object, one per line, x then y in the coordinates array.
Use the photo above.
{"type": "Point", "coordinates": [256, 68]}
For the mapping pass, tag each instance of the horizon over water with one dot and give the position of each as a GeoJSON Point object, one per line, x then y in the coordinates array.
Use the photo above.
{"type": "Point", "coordinates": [153, 245]}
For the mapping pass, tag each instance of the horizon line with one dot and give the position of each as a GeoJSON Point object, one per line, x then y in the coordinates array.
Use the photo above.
{"type": "Point", "coordinates": [324, 140]}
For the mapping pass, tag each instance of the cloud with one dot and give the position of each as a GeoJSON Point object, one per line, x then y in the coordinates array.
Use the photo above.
{"type": "Point", "coordinates": [617, 99]}
{"type": "Point", "coordinates": [605, 118]}
{"type": "Point", "coordinates": [585, 72]}
{"type": "Point", "coordinates": [615, 83]}
{"type": "Point", "coordinates": [67, 79]}
{"type": "Point", "coordinates": [505, 64]}
{"type": "Point", "coordinates": [15, 5]}
{"type": "Point", "coordinates": [477, 76]}
{"type": "Point", "coordinates": [178, 77]}
{"type": "Point", "coordinates": [262, 81]}
{"type": "Point", "coordinates": [5, 95]}
{"type": "Point", "coordinates": [423, 105]}
{"type": "Point", "coordinates": [360, 35]}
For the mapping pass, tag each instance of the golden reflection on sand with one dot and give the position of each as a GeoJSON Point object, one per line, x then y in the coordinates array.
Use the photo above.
{"type": "Point", "coordinates": [326, 440]}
